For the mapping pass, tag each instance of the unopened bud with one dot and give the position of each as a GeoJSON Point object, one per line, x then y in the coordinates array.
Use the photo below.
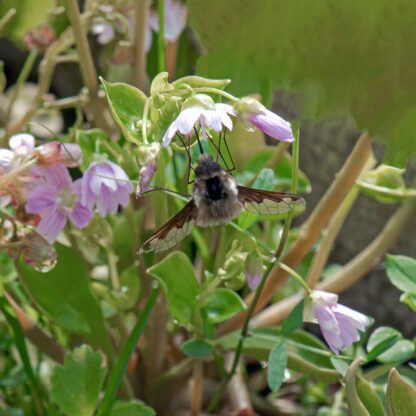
{"type": "Point", "coordinates": [40, 37]}
{"type": "Point", "coordinates": [248, 106]}
{"type": "Point", "coordinates": [199, 100]}
{"type": "Point", "coordinates": [147, 152]}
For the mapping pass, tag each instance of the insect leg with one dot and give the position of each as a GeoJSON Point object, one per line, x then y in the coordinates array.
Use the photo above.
{"type": "Point", "coordinates": [199, 142]}
{"type": "Point", "coordinates": [229, 153]}
{"type": "Point", "coordinates": [189, 158]}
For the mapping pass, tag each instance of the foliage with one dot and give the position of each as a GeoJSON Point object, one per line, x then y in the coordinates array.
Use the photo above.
{"type": "Point", "coordinates": [96, 318]}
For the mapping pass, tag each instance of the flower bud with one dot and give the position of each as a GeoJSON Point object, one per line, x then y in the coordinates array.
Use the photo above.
{"type": "Point", "coordinates": [248, 106]}
{"type": "Point", "coordinates": [49, 153]}
{"type": "Point", "coordinates": [232, 272]}
{"type": "Point", "coordinates": [199, 100]}
{"type": "Point", "coordinates": [71, 155]}
{"type": "Point", "coordinates": [254, 271]}
{"type": "Point", "coordinates": [40, 37]}
{"type": "Point", "coordinates": [386, 176]}
{"type": "Point", "coordinates": [146, 153]}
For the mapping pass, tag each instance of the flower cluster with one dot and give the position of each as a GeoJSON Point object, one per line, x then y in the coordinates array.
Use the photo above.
{"type": "Point", "coordinates": [36, 183]}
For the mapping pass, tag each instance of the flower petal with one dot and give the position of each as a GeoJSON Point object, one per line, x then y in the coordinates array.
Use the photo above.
{"type": "Point", "coordinates": [51, 225]}
{"type": "Point", "coordinates": [187, 119]}
{"type": "Point", "coordinates": [329, 327]}
{"type": "Point", "coordinates": [23, 142]}
{"type": "Point", "coordinates": [80, 216]}
{"type": "Point", "coordinates": [273, 125]}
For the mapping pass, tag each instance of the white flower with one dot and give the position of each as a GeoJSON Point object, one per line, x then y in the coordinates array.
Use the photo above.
{"type": "Point", "coordinates": [199, 110]}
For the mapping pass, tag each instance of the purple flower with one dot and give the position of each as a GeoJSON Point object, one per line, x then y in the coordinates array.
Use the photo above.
{"type": "Point", "coordinates": [104, 31]}
{"type": "Point", "coordinates": [106, 186]}
{"type": "Point", "coordinates": [339, 324]}
{"type": "Point", "coordinates": [56, 199]}
{"type": "Point", "coordinates": [146, 175]}
{"type": "Point", "coordinates": [199, 110]}
{"type": "Point", "coordinates": [265, 120]}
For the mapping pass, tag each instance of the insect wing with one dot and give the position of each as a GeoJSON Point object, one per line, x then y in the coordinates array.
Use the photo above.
{"type": "Point", "coordinates": [175, 230]}
{"type": "Point", "coordinates": [263, 202]}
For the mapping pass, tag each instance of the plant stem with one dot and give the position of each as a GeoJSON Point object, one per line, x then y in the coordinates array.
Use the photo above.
{"type": "Point", "coordinates": [119, 369]}
{"type": "Point", "coordinates": [161, 59]}
{"type": "Point", "coordinates": [141, 14]}
{"type": "Point", "coordinates": [86, 64]}
{"type": "Point", "coordinates": [252, 305]}
{"type": "Point", "coordinates": [312, 228]}
{"type": "Point", "coordinates": [22, 78]}
{"type": "Point", "coordinates": [349, 274]}
{"type": "Point", "coordinates": [198, 378]}
{"type": "Point", "coordinates": [296, 276]}
{"type": "Point", "coordinates": [6, 19]}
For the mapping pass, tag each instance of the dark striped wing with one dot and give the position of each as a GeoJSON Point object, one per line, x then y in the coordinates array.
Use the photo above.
{"type": "Point", "coordinates": [175, 230]}
{"type": "Point", "coordinates": [263, 202]}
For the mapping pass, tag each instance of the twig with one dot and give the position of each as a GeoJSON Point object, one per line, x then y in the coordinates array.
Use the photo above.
{"type": "Point", "coordinates": [328, 238]}
{"type": "Point", "coordinates": [46, 344]}
{"type": "Point", "coordinates": [198, 378]}
{"type": "Point", "coordinates": [87, 67]}
{"type": "Point", "coordinates": [312, 228]}
{"type": "Point", "coordinates": [141, 14]}
{"type": "Point", "coordinates": [349, 274]}
{"type": "Point", "coordinates": [46, 69]}
{"type": "Point", "coordinates": [238, 392]}
{"type": "Point", "coordinates": [6, 19]}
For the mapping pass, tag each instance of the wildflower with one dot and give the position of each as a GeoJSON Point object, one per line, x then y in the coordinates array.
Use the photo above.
{"type": "Point", "coordinates": [146, 175]}
{"type": "Point", "coordinates": [175, 13]}
{"type": "Point", "coordinates": [200, 110]}
{"type": "Point", "coordinates": [22, 144]}
{"type": "Point", "coordinates": [106, 186]}
{"type": "Point", "coordinates": [339, 324]}
{"type": "Point", "coordinates": [265, 120]}
{"type": "Point", "coordinates": [56, 199]}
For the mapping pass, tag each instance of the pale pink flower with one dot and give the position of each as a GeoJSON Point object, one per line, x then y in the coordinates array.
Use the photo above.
{"type": "Point", "coordinates": [339, 324]}
{"type": "Point", "coordinates": [105, 185]}
{"type": "Point", "coordinates": [251, 110]}
{"type": "Point", "coordinates": [55, 198]}
{"type": "Point", "coordinates": [199, 110]}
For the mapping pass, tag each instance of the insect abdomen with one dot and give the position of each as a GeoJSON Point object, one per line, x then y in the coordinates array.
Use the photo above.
{"type": "Point", "coordinates": [214, 189]}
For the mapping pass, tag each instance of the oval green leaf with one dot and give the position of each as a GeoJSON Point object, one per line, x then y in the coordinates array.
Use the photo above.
{"type": "Point", "coordinates": [196, 348]}
{"type": "Point", "coordinates": [277, 366]}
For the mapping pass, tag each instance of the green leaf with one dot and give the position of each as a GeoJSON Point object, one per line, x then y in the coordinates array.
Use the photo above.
{"type": "Point", "coordinates": [221, 304]}
{"type": "Point", "coordinates": [401, 271]}
{"type": "Point", "coordinates": [196, 348]}
{"type": "Point", "coordinates": [129, 292]}
{"type": "Point", "coordinates": [178, 280]}
{"type": "Point", "coordinates": [401, 396]}
{"type": "Point", "coordinates": [300, 52]}
{"type": "Point", "coordinates": [409, 299]}
{"type": "Point", "coordinates": [65, 295]}
{"type": "Point", "coordinates": [126, 104]}
{"type": "Point", "coordinates": [133, 408]}
{"type": "Point", "coordinates": [76, 385]}
{"type": "Point", "coordinates": [276, 366]}
{"type": "Point", "coordinates": [294, 320]}
{"type": "Point", "coordinates": [361, 397]}
{"type": "Point", "coordinates": [387, 345]}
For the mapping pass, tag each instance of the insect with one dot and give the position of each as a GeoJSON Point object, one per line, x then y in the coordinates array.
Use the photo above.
{"type": "Point", "coordinates": [217, 199]}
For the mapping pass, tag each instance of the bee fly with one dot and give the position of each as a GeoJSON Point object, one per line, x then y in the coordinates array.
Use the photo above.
{"type": "Point", "coordinates": [217, 199]}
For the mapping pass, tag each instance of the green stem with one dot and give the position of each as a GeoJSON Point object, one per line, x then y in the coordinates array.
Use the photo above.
{"type": "Point", "coordinates": [20, 342]}
{"type": "Point", "coordinates": [161, 59]}
{"type": "Point", "coordinates": [23, 76]}
{"type": "Point", "coordinates": [217, 396]}
{"type": "Point", "coordinates": [296, 276]}
{"type": "Point", "coordinates": [119, 369]}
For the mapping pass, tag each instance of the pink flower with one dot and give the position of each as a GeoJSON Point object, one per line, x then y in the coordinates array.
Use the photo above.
{"type": "Point", "coordinates": [339, 324]}
{"type": "Point", "coordinates": [254, 271]}
{"type": "Point", "coordinates": [56, 199]}
{"type": "Point", "coordinates": [265, 120]}
{"type": "Point", "coordinates": [106, 186]}
{"type": "Point", "coordinates": [199, 110]}
{"type": "Point", "coordinates": [146, 175]}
